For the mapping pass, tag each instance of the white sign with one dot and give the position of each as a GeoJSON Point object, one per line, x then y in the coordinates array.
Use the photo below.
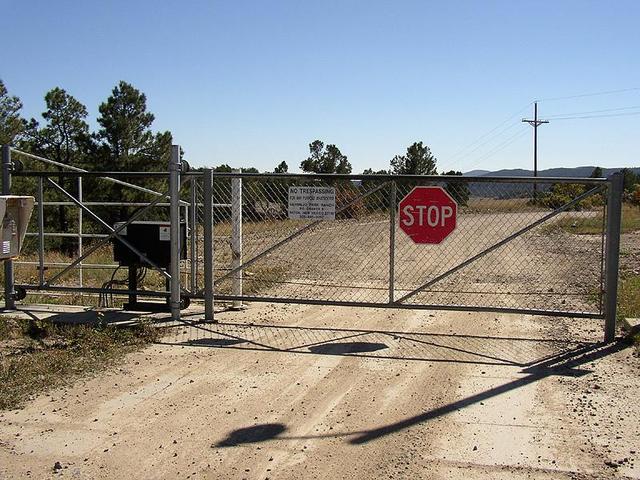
{"type": "Point", "coordinates": [165, 233]}
{"type": "Point", "coordinates": [312, 203]}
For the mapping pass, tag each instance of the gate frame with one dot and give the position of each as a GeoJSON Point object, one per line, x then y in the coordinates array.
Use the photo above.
{"type": "Point", "coordinates": [177, 175]}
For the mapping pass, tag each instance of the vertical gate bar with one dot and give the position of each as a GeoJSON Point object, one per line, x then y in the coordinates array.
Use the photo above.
{"type": "Point", "coordinates": [9, 299]}
{"type": "Point", "coordinates": [40, 231]}
{"type": "Point", "coordinates": [193, 233]}
{"type": "Point", "coordinates": [80, 232]}
{"type": "Point", "coordinates": [392, 240]}
{"type": "Point", "coordinates": [614, 213]}
{"type": "Point", "coordinates": [236, 236]}
{"type": "Point", "coordinates": [208, 244]}
{"type": "Point", "coordinates": [174, 232]}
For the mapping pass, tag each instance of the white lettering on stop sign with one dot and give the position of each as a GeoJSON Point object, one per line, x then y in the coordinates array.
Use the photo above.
{"type": "Point", "coordinates": [435, 216]}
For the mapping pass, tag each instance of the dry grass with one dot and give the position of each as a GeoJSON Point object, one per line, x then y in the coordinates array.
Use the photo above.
{"type": "Point", "coordinates": [592, 225]}
{"type": "Point", "coordinates": [496, 205]}
{"type": "Point", "coordinates": [36, 355]}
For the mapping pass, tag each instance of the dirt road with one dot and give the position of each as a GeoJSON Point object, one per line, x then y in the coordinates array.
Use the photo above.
{"type": "Point", "coordinates": [288, 392]}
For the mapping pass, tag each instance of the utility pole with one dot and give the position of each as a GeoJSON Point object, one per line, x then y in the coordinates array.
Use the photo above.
{"type": "Point", "coordinates": [535, 123]}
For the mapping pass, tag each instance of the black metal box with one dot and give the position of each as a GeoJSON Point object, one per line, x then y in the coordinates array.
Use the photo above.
{"type": "Point", "coordinates": [152, 240]}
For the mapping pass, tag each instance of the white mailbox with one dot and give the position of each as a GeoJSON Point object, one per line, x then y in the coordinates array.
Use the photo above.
{"type": "Point", "coordinates": [15, 212]}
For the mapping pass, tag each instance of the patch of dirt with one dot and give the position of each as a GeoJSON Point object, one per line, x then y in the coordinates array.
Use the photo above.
{"type": "Point", "coordinates": [282, 391]}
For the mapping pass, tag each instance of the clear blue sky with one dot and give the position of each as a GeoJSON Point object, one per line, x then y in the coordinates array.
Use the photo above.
{"type": "Point", "coordinates": [251, 83]}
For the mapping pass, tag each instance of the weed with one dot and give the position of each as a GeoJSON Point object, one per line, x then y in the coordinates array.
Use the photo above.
{"type": "Point", "coordinates": [36, 355]}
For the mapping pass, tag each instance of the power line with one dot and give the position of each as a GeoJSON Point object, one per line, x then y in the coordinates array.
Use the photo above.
{"type": "Point", "coordinates": [593, 111]}
{"type": "Point", "coordinates": [626, 114]}
{"type": "Point", "coordinates": [535, 123]}
{"type": "Point", "coordinates": [594, 94]}
{"type": "Point", "coordinates": [483, 136]}
{"type": "Point", "coordinates": [496, 149]}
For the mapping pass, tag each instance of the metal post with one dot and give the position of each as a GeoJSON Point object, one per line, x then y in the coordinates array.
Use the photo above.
{"type": "Point", "coordinates": [40, 231]}
{"type": "Point", "coordinates": [9, 299]}
{"type": "Point", "coordinates": [236, 237]}
{"type": "Point", "coordinates": [174, 232]}
{"type": "Point", "coordinates": [392, 240]}
{"type": "Point", "coordinates": [535, 151]}
{"type": "Point", "coordinates": [208, 244]}
{"type": "Point", "coordinates": [612, 252]}
{"type": "Point", "coordinates": [193, 233]}
{"type": "Point", "coordinates": [80, 231]}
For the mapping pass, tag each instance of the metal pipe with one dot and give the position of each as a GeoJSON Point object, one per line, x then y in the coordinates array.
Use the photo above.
{"type": "Point", "coordinates": [236, 238]}
{"type": "Point", "coordinates": [80, 212]}
{"type": "Point", "coordinates": [174, 232]}
{"type": "Point", "coordinates": [40, 231]}
{"type": "Point", "coordinates": [208, 244]}
{"type": "Point", "coordinates": [9, 289]}
{"type": "Point", "coordinates": [115, 291]}
{"type": "Point", "coordinates": [436, 179]}
{"type": "Point", "coordinates": [392, 240]}
{"type": "Point", "coordinates": [396, 305]}
{"type": "Point", "coordinates": [191, 229]}
{"type": "Point", "coordinates": [612, 255]}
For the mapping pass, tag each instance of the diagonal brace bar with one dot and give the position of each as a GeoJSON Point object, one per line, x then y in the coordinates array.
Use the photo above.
{"type": "Point", "coordinates": [102, 242]}
{"type": "Point", "coordinates": [295, 234]}
{"type": "Point", "coordinates": [501, 243]}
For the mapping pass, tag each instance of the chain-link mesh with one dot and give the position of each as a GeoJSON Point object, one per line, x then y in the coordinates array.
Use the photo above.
{"type": "Point", "coordinates": [555, 265]}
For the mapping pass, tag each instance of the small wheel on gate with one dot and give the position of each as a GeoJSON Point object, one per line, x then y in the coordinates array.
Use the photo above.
{"type": "Point", "coordinates": [20, 293]}
{"type": "Point", "coordinates": [184, 302]}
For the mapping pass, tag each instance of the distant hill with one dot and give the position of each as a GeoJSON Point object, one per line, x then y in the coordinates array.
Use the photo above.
{"type": "Point", "coordinates": [550, 172]}
{"type": "Point", "coordinates": [512, 190]}
{"type": "Point", "coordinates": [477, 173]}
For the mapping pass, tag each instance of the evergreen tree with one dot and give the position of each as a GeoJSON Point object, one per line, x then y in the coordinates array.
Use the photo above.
{"type": "Point", "coordinates": [128, 144]}
{"type": "Point", "coordinates": [325, 159]}
{"type": "Point", "coordinates": [11, 123]}
{"type": "Point", "coordinates": [281, 168]}
{"type": "Point", "coordinates": [417, 161]}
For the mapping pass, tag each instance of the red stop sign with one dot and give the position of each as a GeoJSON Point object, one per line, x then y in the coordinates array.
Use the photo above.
{"type": "Point", "coordinates": [428, 214]}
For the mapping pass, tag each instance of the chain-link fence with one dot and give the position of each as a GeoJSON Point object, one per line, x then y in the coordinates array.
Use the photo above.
{"type": "Point", "coordinates": [508, 250]}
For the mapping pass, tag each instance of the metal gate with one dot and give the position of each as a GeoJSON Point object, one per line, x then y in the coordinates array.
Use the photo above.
{"type": "Point", "coordinates": [551, 250]}
{"type": "Point", "coordinates": [544, 246]}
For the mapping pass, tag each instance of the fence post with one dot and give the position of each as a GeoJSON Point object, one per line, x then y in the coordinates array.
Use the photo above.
{"type": "Point", "coordinates": [236, 237]}
{"type": "Point", "coordinates": [174, 232]}
{"type": "Point", "coordinates": [80, 246]}
{"type": "Point", "coordinates": [193, 235]}
{"type": "Point", "coordinates": [9, 292]}
{"type": "Point", "coordinates": [40, 231]}
{"type": "Point", "coordinates": [612, 253]}
{"type": "Point", "coordinates": [208, 243]}
{"type": "Point", "coordinates": [392, 240]}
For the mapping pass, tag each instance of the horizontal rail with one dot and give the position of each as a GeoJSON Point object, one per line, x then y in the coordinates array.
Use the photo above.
{"type": "Point", "coordinates": [93, 174]}
{"type": "Point", "coordinates": [84, 266]}
{"type": "Point", "coordinates": [326, 176]}
{"type": "Point", "coordinates": [115, 291]}
{"type": "Point", "coordinates": [400, 306]}
{"type": "Point", "coordinates": [102, 204]}
{"type": "Point", "coordinates": [126, 204]}
{"type": "Point", "coordinates": [71, 235]}
{"type": "Point", "coordinates": [428, 178]}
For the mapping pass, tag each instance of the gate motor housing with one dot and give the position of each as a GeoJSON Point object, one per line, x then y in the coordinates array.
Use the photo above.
{"type": "Point", "coordinates": [152, 239]}
{"type": "Point", "coordinates": [15, 213]}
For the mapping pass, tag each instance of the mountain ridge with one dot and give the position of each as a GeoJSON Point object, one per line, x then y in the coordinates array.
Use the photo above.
{"type": "Point", "coordinates": [578, 172]}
